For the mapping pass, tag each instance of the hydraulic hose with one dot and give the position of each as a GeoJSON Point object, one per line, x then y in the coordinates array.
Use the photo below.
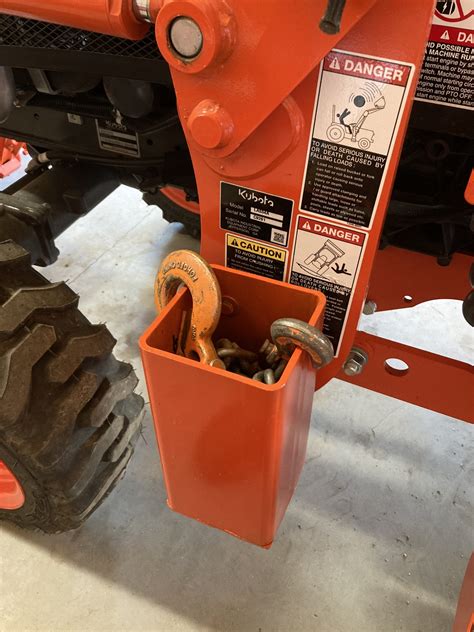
{"type": "Point", "coordinates": [111, 17]}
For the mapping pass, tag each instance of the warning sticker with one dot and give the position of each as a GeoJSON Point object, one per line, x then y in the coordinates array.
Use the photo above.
{"type": "Point", "coordinates": [356, 117]}
{"type": "Point", "coordinates": [256, 214]}
{"type": "Point", "coordinates": [448, 68]}
{"type": "Point", "coordinates": [326, 258]}
{"type": "Point", "coordinates": [255, 257]}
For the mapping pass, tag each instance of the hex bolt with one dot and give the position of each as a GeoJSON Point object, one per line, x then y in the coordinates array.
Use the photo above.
{"type": "Point", "coordinates": [356, 360]}
{"type": "Point", "coordinates": [370, 307]}
{"type": "Point", "coordinates": [185, 37]}
{"type": "Point", "coordinates": [141, 8]}
{"type": "Point", "coordinates": [210, 125]}
{"type": "Point", "coordinates": [230, 307]}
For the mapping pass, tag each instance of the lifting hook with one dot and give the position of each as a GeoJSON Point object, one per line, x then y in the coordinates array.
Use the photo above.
{"type": "Point", "coordinates": [189, 268]}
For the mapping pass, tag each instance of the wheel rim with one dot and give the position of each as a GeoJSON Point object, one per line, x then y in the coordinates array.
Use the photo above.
{"type": "Point", "coordinates": [335, 133]}
{"type": "Point", "coordinates": [178, 196]}
{"type": "Point", "coordinates": [11, 492]}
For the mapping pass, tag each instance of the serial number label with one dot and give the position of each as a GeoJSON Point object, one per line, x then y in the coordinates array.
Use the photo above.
{"type": "Point", "coordinates": [255, 214]}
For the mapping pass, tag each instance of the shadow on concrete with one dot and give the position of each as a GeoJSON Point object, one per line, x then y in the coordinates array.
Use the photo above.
{"type": "Point", "coordinates": [366, 532]}
{"type": "Point", "coordinates": [351, 532]}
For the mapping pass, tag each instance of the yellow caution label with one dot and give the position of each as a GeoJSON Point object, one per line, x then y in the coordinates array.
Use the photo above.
{"type": "Point", "coordinates": [256, 247]}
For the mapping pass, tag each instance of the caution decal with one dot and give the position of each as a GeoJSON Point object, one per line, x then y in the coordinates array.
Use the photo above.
{"type": "Point", "coordinates": [327, 258]}
{"type": "Point", "coordinates": [448, 68]}
{"type": "Point", "coordinates": [255, 257]}
{"type": "Point", "coordinates": [357, 113]}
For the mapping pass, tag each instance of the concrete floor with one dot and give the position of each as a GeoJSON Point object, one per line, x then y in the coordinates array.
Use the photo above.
{"type": "Point", "coordinates": [376, 538]}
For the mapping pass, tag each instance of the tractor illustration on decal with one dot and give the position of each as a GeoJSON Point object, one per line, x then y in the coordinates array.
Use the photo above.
{"type": "Point", "coordinates": [348, 124]}
{"type": "Point", "coordinates": [318, 264]}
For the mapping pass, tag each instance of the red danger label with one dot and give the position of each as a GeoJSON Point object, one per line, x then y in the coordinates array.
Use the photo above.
{"type": "Point", "coordinates": [452, 35]}
{"type": "Point", "coordinates": [446, 75]}
{"type": "Point", "coordinates": [330, 230]}
{"type": "Point", "coordinates": [367, 68]}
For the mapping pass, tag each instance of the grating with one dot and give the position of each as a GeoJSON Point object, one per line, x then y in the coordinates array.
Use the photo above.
{"type": "Point", "coordinates": [34, 34]}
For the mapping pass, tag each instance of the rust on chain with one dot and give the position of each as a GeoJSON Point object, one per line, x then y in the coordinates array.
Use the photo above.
{"type": "Point", "coordinates": [288, 333]}
{"type": "Point", "coordinates": [266, 376]}
{"type": "Point", "coordinates": [279, 369]}
{"type": "Point", "coordinates": [270, 352]}
{"type": "Point", "coordinates": [266, 366]}
{"type": "Point", "coordinates": [195, 337]}
{"type": "Point", "coordinates": [237, 352]}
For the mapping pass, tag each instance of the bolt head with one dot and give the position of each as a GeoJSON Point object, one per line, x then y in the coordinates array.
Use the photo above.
{"type": "Point", "coordinates": [370, 307]}
{"type": "Point", "coordinates": [230, 307]}
{"type": "Point", "coordinates": [210, 125]}
{"type": "Point", "coordinates": [185, 37]}
{"type": "Point", "coordinates": [356, 360]}
{"type": "Point", "coordinates": [352, 367]}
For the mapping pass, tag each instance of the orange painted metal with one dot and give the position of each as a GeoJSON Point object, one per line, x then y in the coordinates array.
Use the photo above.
{"type": "Point", "coordinates": [112, 17]}
{"type": "Point", "coordinates": [10, 156]}
{"type": "Point", "coordinates": [464, 620]}
{"type": "Point", "coordinates": [402, 278]}
{"type": "Point", "coordinates": [266, 87]}
{"type": "Point", "coordinates": [431, 381]}
{"type": "Point", "coordinates": [232, 448]}
{"type": "Point", "coordinates": [189, 268]}
{"type": "Point", "coordinates": [254, 55]}
{"type": "Point", "coordinates": [469, 191]}
{"type": "Point", "coordinates": [179, 197]}
{"type": "Point", "coordinates": [11, 492]}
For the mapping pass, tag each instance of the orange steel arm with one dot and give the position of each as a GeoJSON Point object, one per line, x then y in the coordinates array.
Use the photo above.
{"type": "Point", "coordinates": [274, 30]}
{"type": "Point", "coordinates": [112, 17]}
{"type": "Point", "coordinates": [10, 156]}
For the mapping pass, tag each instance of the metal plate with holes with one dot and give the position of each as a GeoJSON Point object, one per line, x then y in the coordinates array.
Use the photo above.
{"type": "Point", "coordinates": [117, 138]}
{"type": "Point", "coordinates": [27, 33]}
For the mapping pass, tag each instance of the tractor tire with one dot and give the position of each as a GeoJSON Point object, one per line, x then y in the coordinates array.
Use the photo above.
{"type": "Point", "coordinates": [177, 208]}
{"type": "Point", "coordinates": [336, 132]}
{"type": "Point", "coordinates": [69, 418]}
{"type": "Point", "coordinates": [364, 143]}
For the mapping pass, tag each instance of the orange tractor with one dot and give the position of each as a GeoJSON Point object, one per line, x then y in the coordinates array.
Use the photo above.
{"type": "Point", "coordinates": [311, 143]}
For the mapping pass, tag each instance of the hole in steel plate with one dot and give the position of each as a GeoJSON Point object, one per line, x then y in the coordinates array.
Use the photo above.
{"type": "Point", "coordinates": [407, 298]}
{"type": "Point", "coordinates": [397, 367]}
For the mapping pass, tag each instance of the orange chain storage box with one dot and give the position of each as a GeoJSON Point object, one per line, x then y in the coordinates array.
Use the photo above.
{"type": "Point", "coordinates": [231, 448]}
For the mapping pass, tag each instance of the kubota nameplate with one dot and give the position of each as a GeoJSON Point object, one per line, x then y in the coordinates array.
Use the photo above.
{"type": "Point", "coordinates": [256, 214]}
{"type": "Point", "coordinates": [357, 112]}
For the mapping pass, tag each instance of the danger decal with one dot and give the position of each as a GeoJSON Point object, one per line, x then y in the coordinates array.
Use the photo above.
{"type": "Point", "coordinates": [326, 257]}
{"type": "Point", "coordinates": [255, 257]}
{"type": "Point", "coordinates": [448, 68]}
{"type": "Point", "coordinates": [358, 108]}
{"type": "Point", "coordinates": [366, 68]}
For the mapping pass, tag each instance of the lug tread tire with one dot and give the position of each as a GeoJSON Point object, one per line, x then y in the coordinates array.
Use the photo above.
{"type": "Point", "coordinates": [173, 212]}
{"type": "Point", "coordinates": [69, 418]}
